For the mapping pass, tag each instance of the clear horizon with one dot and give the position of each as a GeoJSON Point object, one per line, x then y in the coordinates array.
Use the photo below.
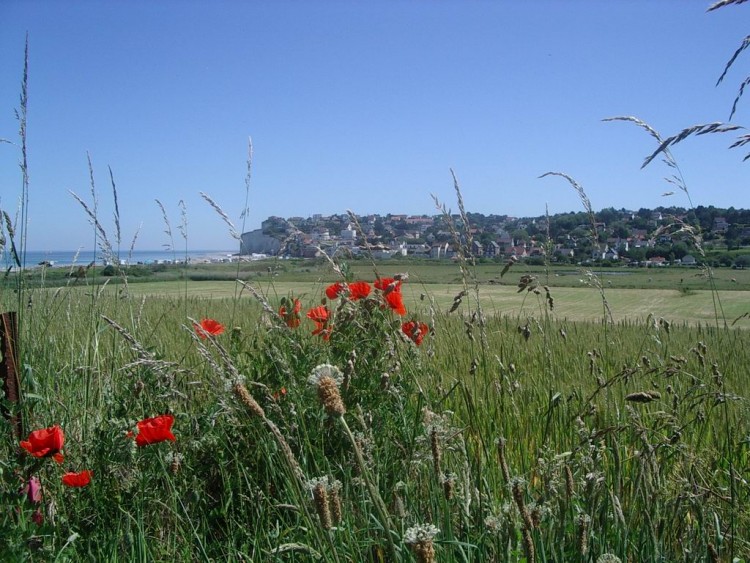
{"type": "Point", "coordinates": [361, 106]}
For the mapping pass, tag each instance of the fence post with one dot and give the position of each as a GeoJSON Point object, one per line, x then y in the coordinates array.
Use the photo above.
{"type": "Point", "coordinates": [9, 371]}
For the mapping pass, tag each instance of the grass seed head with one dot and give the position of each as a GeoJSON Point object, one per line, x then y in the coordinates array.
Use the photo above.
{"type": "Point", "coordinates": [517, 485]}
{"type": "Point", "coordinates": [583, 521]}
{"type": "Point", "coordinates": [320, 496]}
{"type": "Point", "coordinates": [643, 396]}
{"type": "Point", "coordinates": [334, 501]}
{"type": "Point", "coordinates": [247, 399]}
{"type": "Point", "coordinates": [330, 397]}
{"type": "Point", "coordinates": [327, 379]}
{"type": "Point", "coordinates": [436, 451]}
{"type": "Point", "coordinates": [448, 480]}
{"type": "Point", "coordinates": [569, 482]}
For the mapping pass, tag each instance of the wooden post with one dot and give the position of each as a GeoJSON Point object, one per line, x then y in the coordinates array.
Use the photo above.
{"type": "Point", "coordinates": [9, 370]}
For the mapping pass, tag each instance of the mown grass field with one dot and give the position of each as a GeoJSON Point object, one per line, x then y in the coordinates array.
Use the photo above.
{"type": "Point", "coordinates": [575, 304]}
{"type": "Point", "coordinates": [681, 295]}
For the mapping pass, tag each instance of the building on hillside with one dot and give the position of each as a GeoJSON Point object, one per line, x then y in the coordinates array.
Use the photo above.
{"type": "Point", "coordinates": [657, 261]}
{"type": "Point", "coordinates": [320, 235]}
{"type": "Point", "coordinates": [438, 251]}
{"type": "Point", "coordinates": [348, 235]}
{"type": "Point", "coordinates": [476, 248]}
{"type": "Point", "coordinates": [517, 252]}
{"type": "Point", "coordinates": [720, 225]}
{"type": "Point", "coordinates": [492, 249]}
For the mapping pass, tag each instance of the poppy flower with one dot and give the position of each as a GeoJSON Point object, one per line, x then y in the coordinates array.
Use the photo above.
{"type": "Point", "coordinates": [359, 290]}
{"type": "Point", "coordinates": [396, 302]}
{"type": "Point", "coordinates": [77, 479]}
{"type": "Point", "coordinates": [335, 289]}
{"type": "Point", "coordinates": [208, 327]}
{"type": "Point", "coordinates": [319, 315]}
{"type": "Point", "coordinates": [279, 394]}
{"type": "Point", "coordinates": [154, 430]}
{"type": "Point", "coordinates": [415, 330]}
{"type": "Point", "coordinates": [387, 285]}
{"type": "Point", "coordinates": [45, 443]}
{"type": "Point", "coordinates": [291, 317]}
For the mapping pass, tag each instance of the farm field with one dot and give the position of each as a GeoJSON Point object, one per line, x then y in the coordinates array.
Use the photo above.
{"type": "Point", "coordinates": [538, 434]}
{"type": "Point", "coordinates": [680, 295]}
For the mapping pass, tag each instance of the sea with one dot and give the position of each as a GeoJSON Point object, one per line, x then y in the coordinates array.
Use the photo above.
{"type": "Point", "coordinates": [62, 258]}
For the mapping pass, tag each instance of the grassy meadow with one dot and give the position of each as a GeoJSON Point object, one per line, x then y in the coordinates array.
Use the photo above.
{"type": "Point", "coordinates": [513, 431]}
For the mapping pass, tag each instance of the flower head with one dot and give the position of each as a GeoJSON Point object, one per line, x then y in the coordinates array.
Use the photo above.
{"type": "Point", "coordinates": [208, 327]}
{"type": "Point", "coordinates": [327, 378]}
{"type": "Point", "coordinates": [359, 290]}
{"type": "Point", "coordinates": [420, 533]}
{"type": "Point", "coordinates": [154, 430]}
{"type": "Point", "coordinates": [291, 315]}
{"type": "Point", "coordinates": [395, 301]}
{"type": "Point", "coordinates": [33, 490]}
{"type": "Point", "coordinates": [45, 443]}
{"type": "Point", "coordinates": [320, 316]}
{"type": "Point", "coordinates": [325, 370]}
{"type": "Point", "coordinates": [387, 285]}
{"type": "Point", "coordinates": [80, 479]}
{"type": "Point", "coordinates": [420, 538]}
{"type": "Point", "coordinates": [415, 330]}
{"type": "Point", "coordinates": [335, 290]}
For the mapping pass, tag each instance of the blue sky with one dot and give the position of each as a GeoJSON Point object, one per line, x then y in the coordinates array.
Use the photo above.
{"type": "Point", "coordinates": [359, 105]}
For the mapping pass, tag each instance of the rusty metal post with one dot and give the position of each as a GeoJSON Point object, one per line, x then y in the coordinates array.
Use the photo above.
{"type": "Point", "coordinates": [9, 370]}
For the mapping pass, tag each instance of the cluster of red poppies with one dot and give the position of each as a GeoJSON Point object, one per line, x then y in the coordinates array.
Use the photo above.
{"type": "Point", "coordinates": [48, 442]}
{"type": "Point", "coordinates": [389, 291]}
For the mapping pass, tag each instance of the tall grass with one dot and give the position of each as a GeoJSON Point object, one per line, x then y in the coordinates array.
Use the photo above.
{"type": "Point", "coordinates": [634, 444]}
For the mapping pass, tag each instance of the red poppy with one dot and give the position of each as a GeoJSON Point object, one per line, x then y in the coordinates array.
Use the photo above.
{"type": "Point", "coordinates": [415, 330]}
{"type": "Point", "coordinates": [396, 302]}
{"type": "Point", "coordinates": [279, 394]}
{"type": "Point", "coordinates": [359, 290]}
{"type": "Point", "coordinates": [77, 479]}
{"type": "Point", "coordinates": [45, 443]}
{"type": "Point", "coordinates": [208, 327]}
{"type": "Point", "coordinates": [335, 289]}
{"type": "Point", "coordinates": [319, 315]}
{"type": "Point", "coordinates": [291, 318]}
{"type": "Point", "coordinates": [154, 430]}
{"type": "Point", "coordinates": [387, 285]}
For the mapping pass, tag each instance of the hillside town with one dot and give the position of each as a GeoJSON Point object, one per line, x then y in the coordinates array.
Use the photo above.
{"type": "Point", "coordinates": [659, 237]}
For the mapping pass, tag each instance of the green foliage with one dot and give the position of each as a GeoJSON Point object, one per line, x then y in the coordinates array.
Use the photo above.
{"type": "Point", "coordinates": [647, 478]}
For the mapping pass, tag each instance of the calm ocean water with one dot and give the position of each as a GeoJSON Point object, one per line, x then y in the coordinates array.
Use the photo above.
{"type": "Point", "coordinates": [83, 257]}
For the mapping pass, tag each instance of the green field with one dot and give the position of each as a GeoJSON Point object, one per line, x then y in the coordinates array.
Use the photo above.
{"type": "Point", "coordinates": [680, 295]}
{"type": "Point", "coordinates": [521, 434]}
